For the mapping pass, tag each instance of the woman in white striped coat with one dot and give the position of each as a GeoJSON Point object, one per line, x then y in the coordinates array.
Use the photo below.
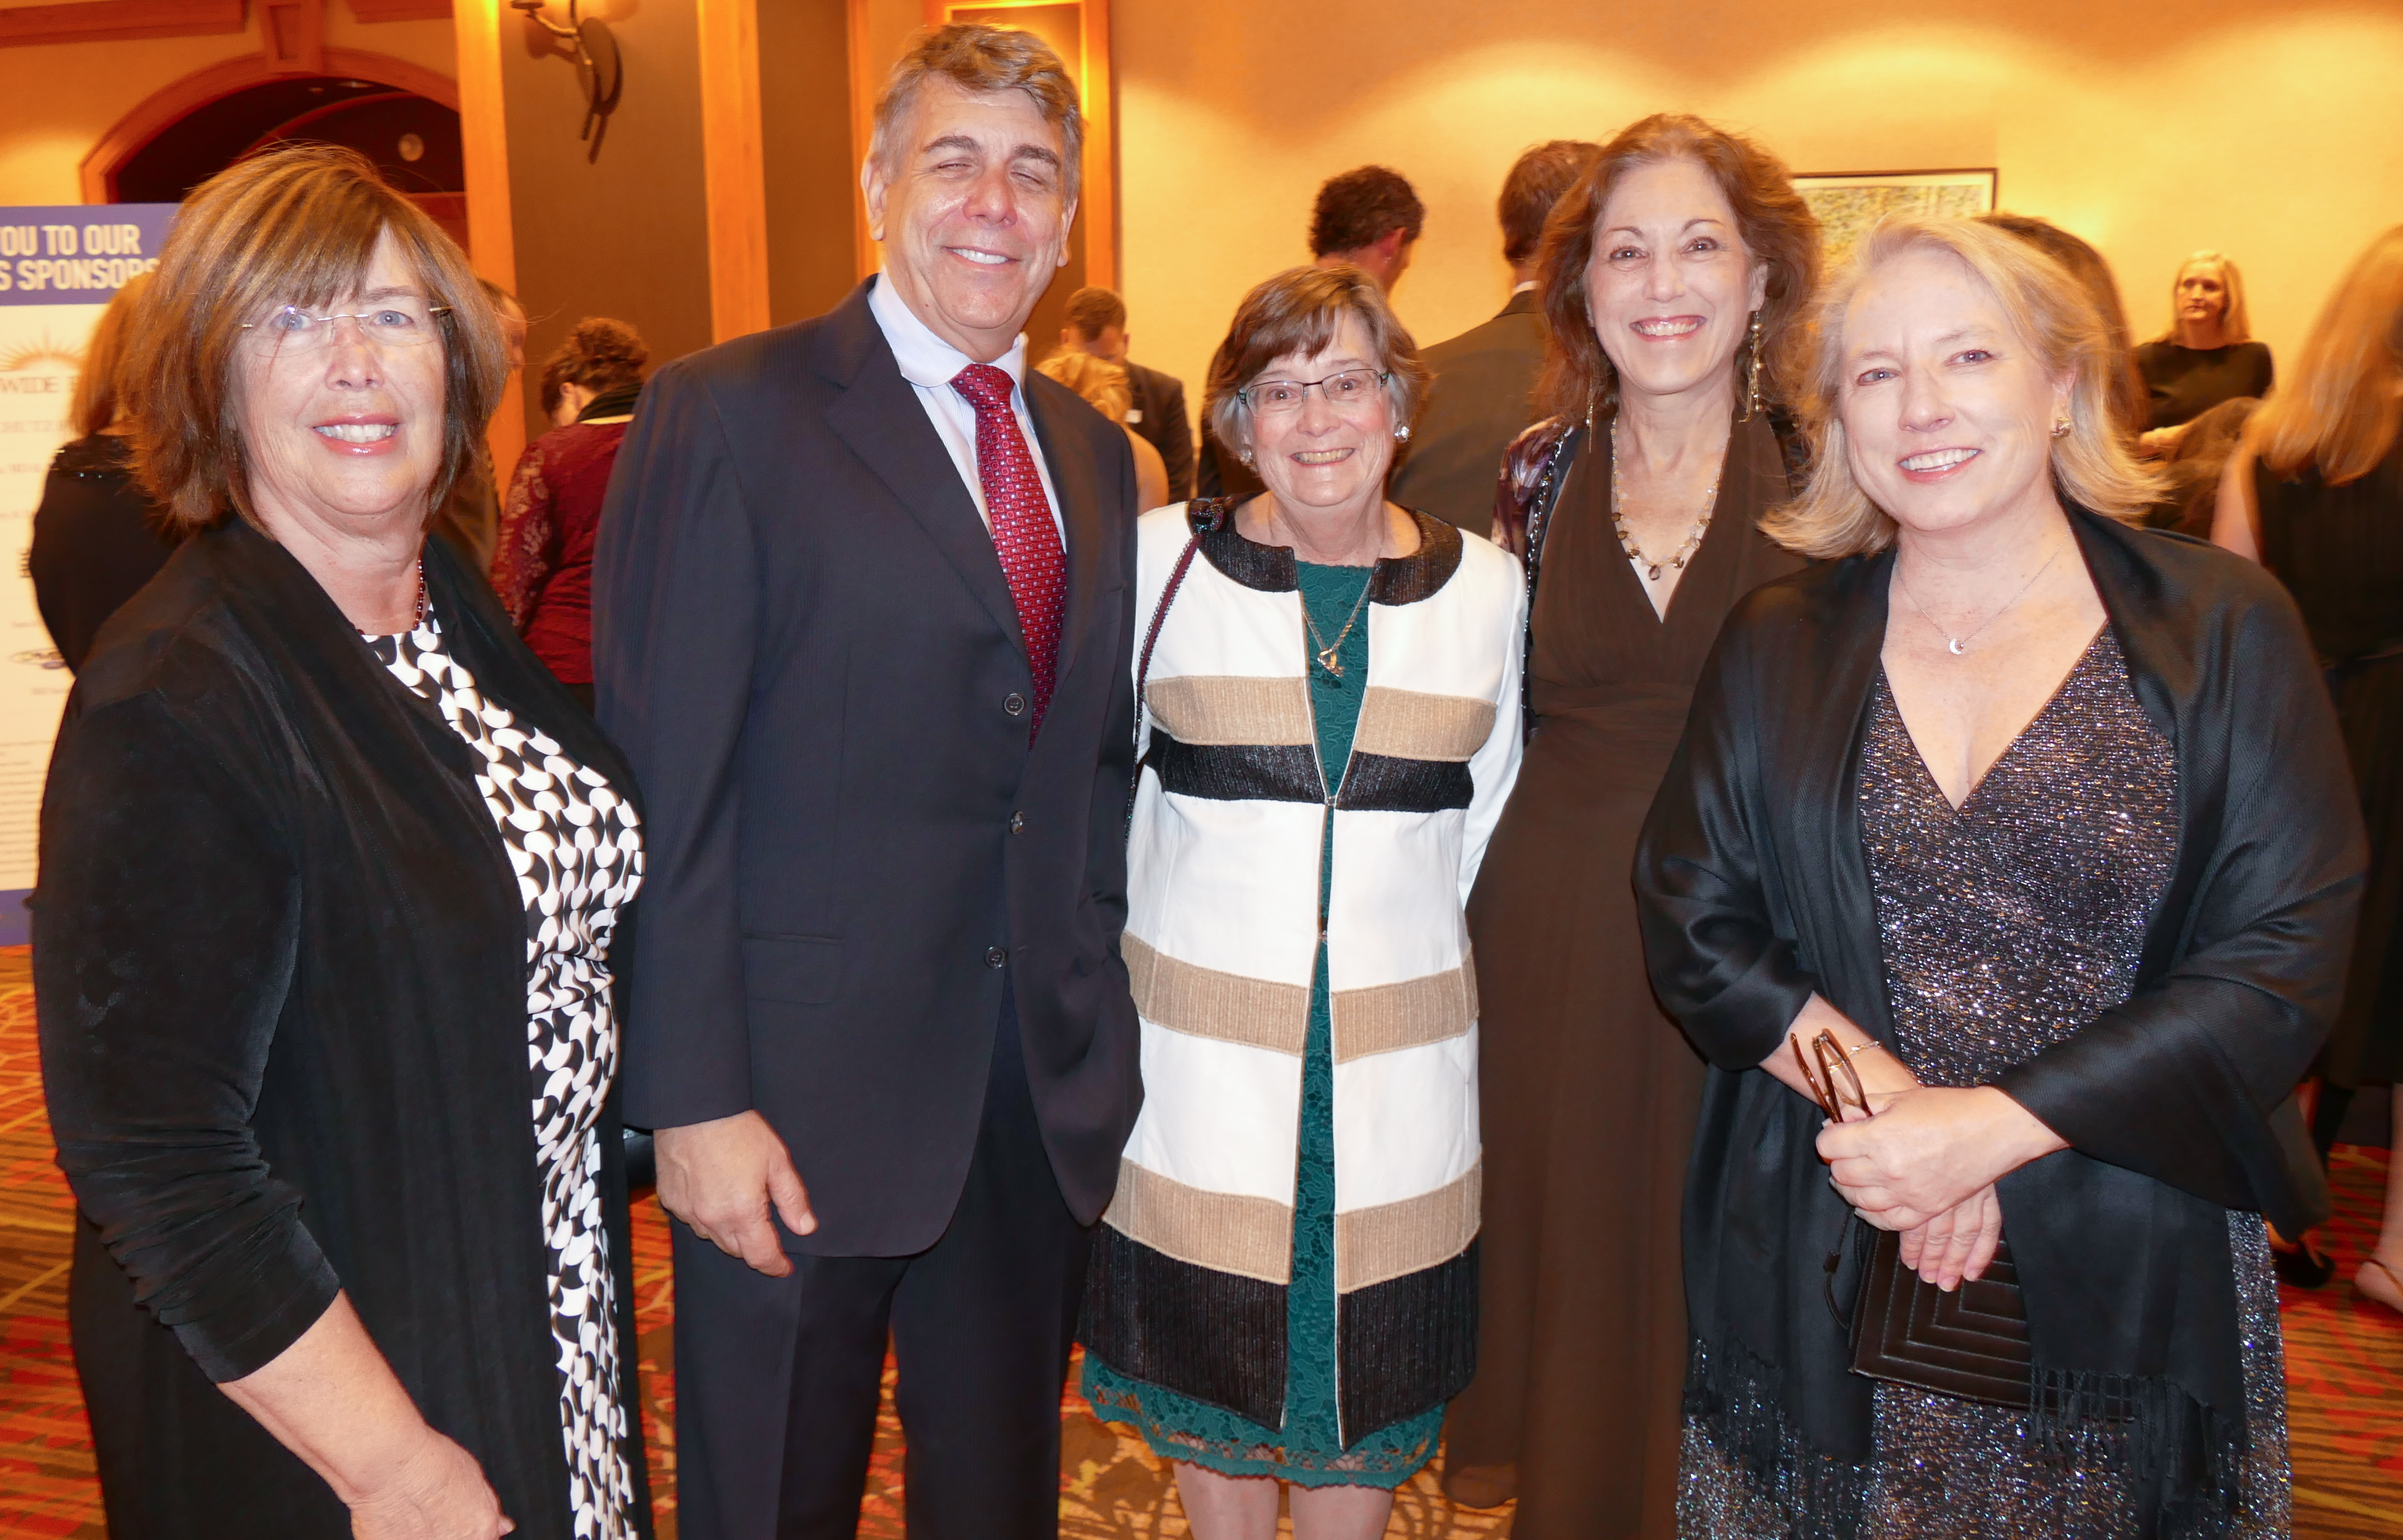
{"type": "Point", "coordinates": [1285, 1286]}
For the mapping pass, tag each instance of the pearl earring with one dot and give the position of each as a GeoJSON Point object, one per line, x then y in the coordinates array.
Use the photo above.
{"type": "Point", "coordinates": [1403, 433]}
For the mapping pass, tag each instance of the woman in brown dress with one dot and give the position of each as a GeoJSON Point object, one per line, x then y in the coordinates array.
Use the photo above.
{"type": "Point", "coordinates": [1672, 276]}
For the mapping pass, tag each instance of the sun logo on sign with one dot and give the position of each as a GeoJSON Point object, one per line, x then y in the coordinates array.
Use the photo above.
{"type": "Point", "coordinates": [23, 356]}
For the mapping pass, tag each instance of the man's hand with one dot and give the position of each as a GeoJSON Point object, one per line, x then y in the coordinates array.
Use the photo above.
{"type": "Point", "coordinates": [722, 1178]}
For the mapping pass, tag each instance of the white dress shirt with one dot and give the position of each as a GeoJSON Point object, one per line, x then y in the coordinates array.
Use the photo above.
{"type": "Point", "coordinates": [930, 364]}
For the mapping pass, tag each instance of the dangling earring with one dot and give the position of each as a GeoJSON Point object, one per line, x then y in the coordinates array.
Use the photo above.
{"type": "Point", "coordinates": [2060, 427]}
{"type": "Point", "coordinates": [1402, 434]}
{"type": "Point", "coordinates": [1593, 392]}
{"type": "Point", "coordinates": [1245, 456]}
{"type": "Point", "coordinates": [1752, 368]}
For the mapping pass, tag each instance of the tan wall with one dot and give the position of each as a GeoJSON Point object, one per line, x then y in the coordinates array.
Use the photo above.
{"type": "Point", "coordinates": [58, 99]}
{"type": "Point", "coordinates": [2273, 133]}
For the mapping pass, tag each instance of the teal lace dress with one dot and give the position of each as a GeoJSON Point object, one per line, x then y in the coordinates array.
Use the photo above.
{"type": "Point", "coordinates": [1308, 1448]}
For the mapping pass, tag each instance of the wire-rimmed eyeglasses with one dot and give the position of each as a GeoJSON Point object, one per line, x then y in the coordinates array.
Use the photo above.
{"type": "Point", "coordinates": [394, 324]}
{"type": "Point", "coordinates": [1348, 391]}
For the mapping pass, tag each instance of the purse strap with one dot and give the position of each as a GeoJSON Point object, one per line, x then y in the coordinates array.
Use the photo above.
{"type": "Point", "coordinates": [1216, 518]}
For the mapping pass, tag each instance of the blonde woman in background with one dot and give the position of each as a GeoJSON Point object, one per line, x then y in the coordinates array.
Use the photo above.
{"type": "Point", "coordinates": [2208, 354]}
{"type": "Point", "coordinates": [1107, 389]}
{"type": "Point", "coordinates": [2316, 494]}
{"type": "Point", "coordinates": [97, 535]}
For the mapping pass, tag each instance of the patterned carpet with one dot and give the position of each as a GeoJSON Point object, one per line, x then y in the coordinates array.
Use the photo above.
{"type": "Point", "coordinates": [2345, 1365]}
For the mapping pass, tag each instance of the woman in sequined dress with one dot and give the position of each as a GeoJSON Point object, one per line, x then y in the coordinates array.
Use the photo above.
{"type": "Point", "coordinates": [1984, 798]}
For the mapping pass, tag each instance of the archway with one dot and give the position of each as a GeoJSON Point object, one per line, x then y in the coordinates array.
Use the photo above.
{"type": "Point", "coordinates": [401, 116]}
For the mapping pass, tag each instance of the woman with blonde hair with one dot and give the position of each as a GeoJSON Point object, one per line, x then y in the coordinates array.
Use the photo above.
{"type": "Point", "coordinates": [2316, 494]}
{"type": "Point", "coordinates": [97, 535]}
{"type": "Point", "coordinates": [1108, 389]}
{"type": "Point", "coordinates": [2208, 354]}
{"type": "Point", "coordinates": [2006, 874]}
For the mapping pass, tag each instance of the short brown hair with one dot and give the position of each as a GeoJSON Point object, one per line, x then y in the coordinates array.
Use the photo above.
{"type": "Point", "coordinates": [980, 59]}
{"type": "Point", "coordinates": [1358, 208]}
{"type": "Point", "coordinates": [1536, 181]}
{"type": "Point", "coordinates": [98, 387]}
{"type": "Point", "coordinates": [1093, 310]}
{"type": "Point", "coordinates": [2093, 463]}
{"type": "Point", "coordinates": [1299, 311]}
{"type": "Point", "coordinates": [295, 225]}
{"type": "Point", "coordinates": [1777, 228]}
{"type": "Point", "coordinates": [600, 354]}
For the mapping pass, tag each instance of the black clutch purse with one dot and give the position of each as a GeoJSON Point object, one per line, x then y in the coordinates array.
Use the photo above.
{"type": "Point", "coordinates": [1971, 1344]}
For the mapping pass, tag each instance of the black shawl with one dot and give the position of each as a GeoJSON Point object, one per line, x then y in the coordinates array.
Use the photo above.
{"type": "Point", "coordinates": [279, 966]}
{"type": "Point", "coordinates": [1755, 892]}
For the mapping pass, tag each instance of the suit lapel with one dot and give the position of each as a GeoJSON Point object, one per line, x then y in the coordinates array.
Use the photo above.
{"type": "Point", "coordinates": [880, 418]}
{"type": "Point", "coordinates": [1074, 477]}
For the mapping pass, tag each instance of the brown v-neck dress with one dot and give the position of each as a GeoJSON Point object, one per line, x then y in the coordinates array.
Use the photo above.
{"type": "Point", "coordinates": [1589, 1093]}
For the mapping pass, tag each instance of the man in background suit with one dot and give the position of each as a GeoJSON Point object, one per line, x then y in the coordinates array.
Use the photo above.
{"type": "Point", "coordinates": [1485, 377]}
{"type": "Point", "coordinates": [865, 590]}
{"type": "Point", "coordinates": [1097, 323]}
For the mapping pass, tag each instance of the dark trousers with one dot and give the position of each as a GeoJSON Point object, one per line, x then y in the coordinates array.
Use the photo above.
{"type": "Point", "coordinates": [777, 1378]}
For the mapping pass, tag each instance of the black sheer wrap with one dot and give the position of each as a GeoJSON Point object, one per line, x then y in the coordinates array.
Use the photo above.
{"type": "Point", "coordinates": [1754, 893]}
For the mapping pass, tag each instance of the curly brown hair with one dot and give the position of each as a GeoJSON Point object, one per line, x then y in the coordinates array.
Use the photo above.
{"type": "Point", "coordinates": [1358, 207]}
{"type": "Point", "coordinates": [600, 354]}
{"type": "Point", "coordinates": [1777, 228]}
{"type": "Point", "coordinates": [297, 226]}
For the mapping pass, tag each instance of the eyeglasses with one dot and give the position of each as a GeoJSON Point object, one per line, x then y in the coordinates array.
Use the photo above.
{"type": "Point", "coordinates": [1351, 391]}
{"type": "Point", "coordinates": [396, 324]}
{"type": "Point", "coordinates": [1828, 1070]}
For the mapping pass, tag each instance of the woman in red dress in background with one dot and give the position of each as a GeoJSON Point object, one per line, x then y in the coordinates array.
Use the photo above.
{"type": "Point", "coordinates": [542, 568]}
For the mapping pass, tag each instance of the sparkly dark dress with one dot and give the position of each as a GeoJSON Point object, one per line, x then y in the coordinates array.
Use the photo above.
{"type": "Point", "coordinates": [2005, 926]}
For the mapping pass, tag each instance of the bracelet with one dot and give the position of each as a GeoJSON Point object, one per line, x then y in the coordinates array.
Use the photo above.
{"type": "Point", "coordinates": [1864, 1047]}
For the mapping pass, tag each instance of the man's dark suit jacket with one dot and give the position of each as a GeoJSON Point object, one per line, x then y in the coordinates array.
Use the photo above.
{"type": "Point", "coordinates": [805, 644]}
{"type": "Point", "coordinates": [1484, 397]}
{"type": "Point", "coordinates": [1160, 400]}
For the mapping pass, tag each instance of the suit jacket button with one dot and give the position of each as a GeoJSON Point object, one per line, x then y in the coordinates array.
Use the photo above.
{"type": "Point", "coordinates": [1014, 703]}
{"type": "Point", "coordinates": [995, 957]}
{"type": "Point", "coordinates": [1018, 822]}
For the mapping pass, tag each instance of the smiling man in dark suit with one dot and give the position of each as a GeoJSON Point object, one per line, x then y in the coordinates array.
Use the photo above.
{"type": "Point", "coordinates": [863, 615]}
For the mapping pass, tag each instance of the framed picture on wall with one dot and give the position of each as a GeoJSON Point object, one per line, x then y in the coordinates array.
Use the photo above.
{"type": "Point", "coordinates": [1849, 202]}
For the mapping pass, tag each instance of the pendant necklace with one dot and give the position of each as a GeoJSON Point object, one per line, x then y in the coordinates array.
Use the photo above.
{"type": "Point", "coordinates": [1330, 653]}
{"type": "Point", "coordinates": [1627, 539]}
{"type": "Point", "coordinates": [1960, 645]}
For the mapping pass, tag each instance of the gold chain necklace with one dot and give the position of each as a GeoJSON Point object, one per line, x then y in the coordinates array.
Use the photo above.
{"type": "Point", "coordinates": [1627, 539]}
{"type": "Point", "coordinates": [1330, 653]}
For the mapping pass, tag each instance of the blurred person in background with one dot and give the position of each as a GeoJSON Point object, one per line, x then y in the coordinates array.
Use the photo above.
{"type": "Point", "coordinates": [2130, 405]}
{"type": "Point", "coordinates": [542, 567]}
{"type": "Point", "coordinates": [1285, 1287]}
{"type": "Point", "coordinates": [97, 535]}
{"type": "Point", "coordinates": [1674, 275]}
{"type": "Point", "coordinates": [2316, 494]}
{"type": "Point", "coordinates": [2208, 354]}
{"type": "Point", "coordinates": [1371, 218]}
{"type": "Point", "coordinates": [1484, 393]}
{"type": "Point", "coordinates": [2194, 468]}
{"type": "Point", "coordinates": [331, 867]}
{"type": "Point", "coordinates": [1106, 388]}
{"type": "Point", "coordinates": [1097, 323]}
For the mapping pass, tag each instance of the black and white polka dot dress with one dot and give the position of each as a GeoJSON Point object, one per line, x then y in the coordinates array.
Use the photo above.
{"type": "Point", "coordinates": [579, 855]}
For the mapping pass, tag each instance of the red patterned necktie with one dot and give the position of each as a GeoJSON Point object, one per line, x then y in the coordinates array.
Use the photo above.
{"type": "Point", "coordinates": [1023, 534]}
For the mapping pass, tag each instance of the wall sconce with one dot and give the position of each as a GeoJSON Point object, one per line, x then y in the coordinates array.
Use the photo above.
{"type": "Point", "coordinates": [598, 69]}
